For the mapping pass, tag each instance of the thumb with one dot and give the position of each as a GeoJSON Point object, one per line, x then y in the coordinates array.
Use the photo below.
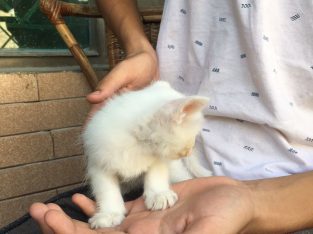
{"type": "Point", "coordinates": [109, 85]}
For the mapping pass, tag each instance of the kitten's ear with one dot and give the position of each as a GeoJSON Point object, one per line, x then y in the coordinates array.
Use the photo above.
{"type": "Point", "coordinates": [186, 107]}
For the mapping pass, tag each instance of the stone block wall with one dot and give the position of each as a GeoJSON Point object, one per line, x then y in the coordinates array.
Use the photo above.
{"type": "Point", "coordinates": [40, 122]}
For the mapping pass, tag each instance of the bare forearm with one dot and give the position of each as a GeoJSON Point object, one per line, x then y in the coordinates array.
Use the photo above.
{"type": "Point", "coordinates": [282, 204]}
{"type": "Point", "coordinates": [123, 19]}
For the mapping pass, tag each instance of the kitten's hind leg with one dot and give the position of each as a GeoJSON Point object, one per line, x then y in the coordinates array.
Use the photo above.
{"type": "Point", "coordinates": [110, 205]}
{"type": "Point", "coordinates": [157, 192]}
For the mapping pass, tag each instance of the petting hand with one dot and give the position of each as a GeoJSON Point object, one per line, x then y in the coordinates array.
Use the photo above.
{"type": "Point", "coordinates": [206, 205]}
{"type": "Point", "coordinates": [133, 73]}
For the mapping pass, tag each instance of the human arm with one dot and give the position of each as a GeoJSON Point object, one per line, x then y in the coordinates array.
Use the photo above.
{"type": "Point", "coordinates": [209, 205]}
{"type": "Point", "coordinates": [282, 204]}
{"type": "Point", "coordinates": [123, 19]}
{"type": "Point", "coordinates": [140, 66]}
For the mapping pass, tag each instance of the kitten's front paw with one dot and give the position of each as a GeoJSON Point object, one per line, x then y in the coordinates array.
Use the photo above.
{"type": "Point", "coordinates": [105, 219]}
{"type": "Point", "coordinates": [160, 200]}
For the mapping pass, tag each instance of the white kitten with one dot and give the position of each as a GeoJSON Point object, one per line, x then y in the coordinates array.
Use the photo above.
{"type": "Point", "coordinates": [141, 134]}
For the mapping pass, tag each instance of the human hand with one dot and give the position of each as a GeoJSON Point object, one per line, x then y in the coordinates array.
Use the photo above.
{"type": "Point", "coordinates": [206, 205]}
{"type": "Point", "coordinates": [136, 71]}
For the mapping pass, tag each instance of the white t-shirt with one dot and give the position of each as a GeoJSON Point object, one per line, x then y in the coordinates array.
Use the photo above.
{"type": "Point", "coordinates": [254, 60]}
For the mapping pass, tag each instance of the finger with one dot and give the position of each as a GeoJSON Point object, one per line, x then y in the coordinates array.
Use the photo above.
{"type": "Point", "coordinates": [38, 211]}
{"type": "Point", "coordinates": [60, 223]}
{"type": "Point", "coordinates": [53, 206]}
{"type": "Point", "coordinates": [96, 97]}
{"type": "Point", "coordinates": [87, 205]}
{"type": "Point", "coordinates": [123, 90]}
{"type": "Point", "coordinates": [108, 86]}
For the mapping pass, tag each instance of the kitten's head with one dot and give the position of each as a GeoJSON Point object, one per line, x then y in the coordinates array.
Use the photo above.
{"type": "Point", "coordinates": [171, 132]}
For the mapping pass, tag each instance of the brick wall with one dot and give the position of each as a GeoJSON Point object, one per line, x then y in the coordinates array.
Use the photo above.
{"type": "Point", "coordinates": [40, 122]}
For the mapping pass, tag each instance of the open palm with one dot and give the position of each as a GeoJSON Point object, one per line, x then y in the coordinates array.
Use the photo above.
{"type": "Point", "coordinates": [208, 205]}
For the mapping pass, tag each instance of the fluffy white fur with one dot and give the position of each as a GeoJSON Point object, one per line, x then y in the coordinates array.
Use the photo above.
{"type": "Point", "coordinates": [142, 134]}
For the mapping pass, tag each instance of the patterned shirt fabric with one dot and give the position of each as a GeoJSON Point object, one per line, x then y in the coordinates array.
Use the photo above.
{"type": "Point", "coordinates": [254, 60]}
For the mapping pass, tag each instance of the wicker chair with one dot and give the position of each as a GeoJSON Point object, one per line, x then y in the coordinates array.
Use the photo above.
{"type": "Point", "coordinates": [56, 10]}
